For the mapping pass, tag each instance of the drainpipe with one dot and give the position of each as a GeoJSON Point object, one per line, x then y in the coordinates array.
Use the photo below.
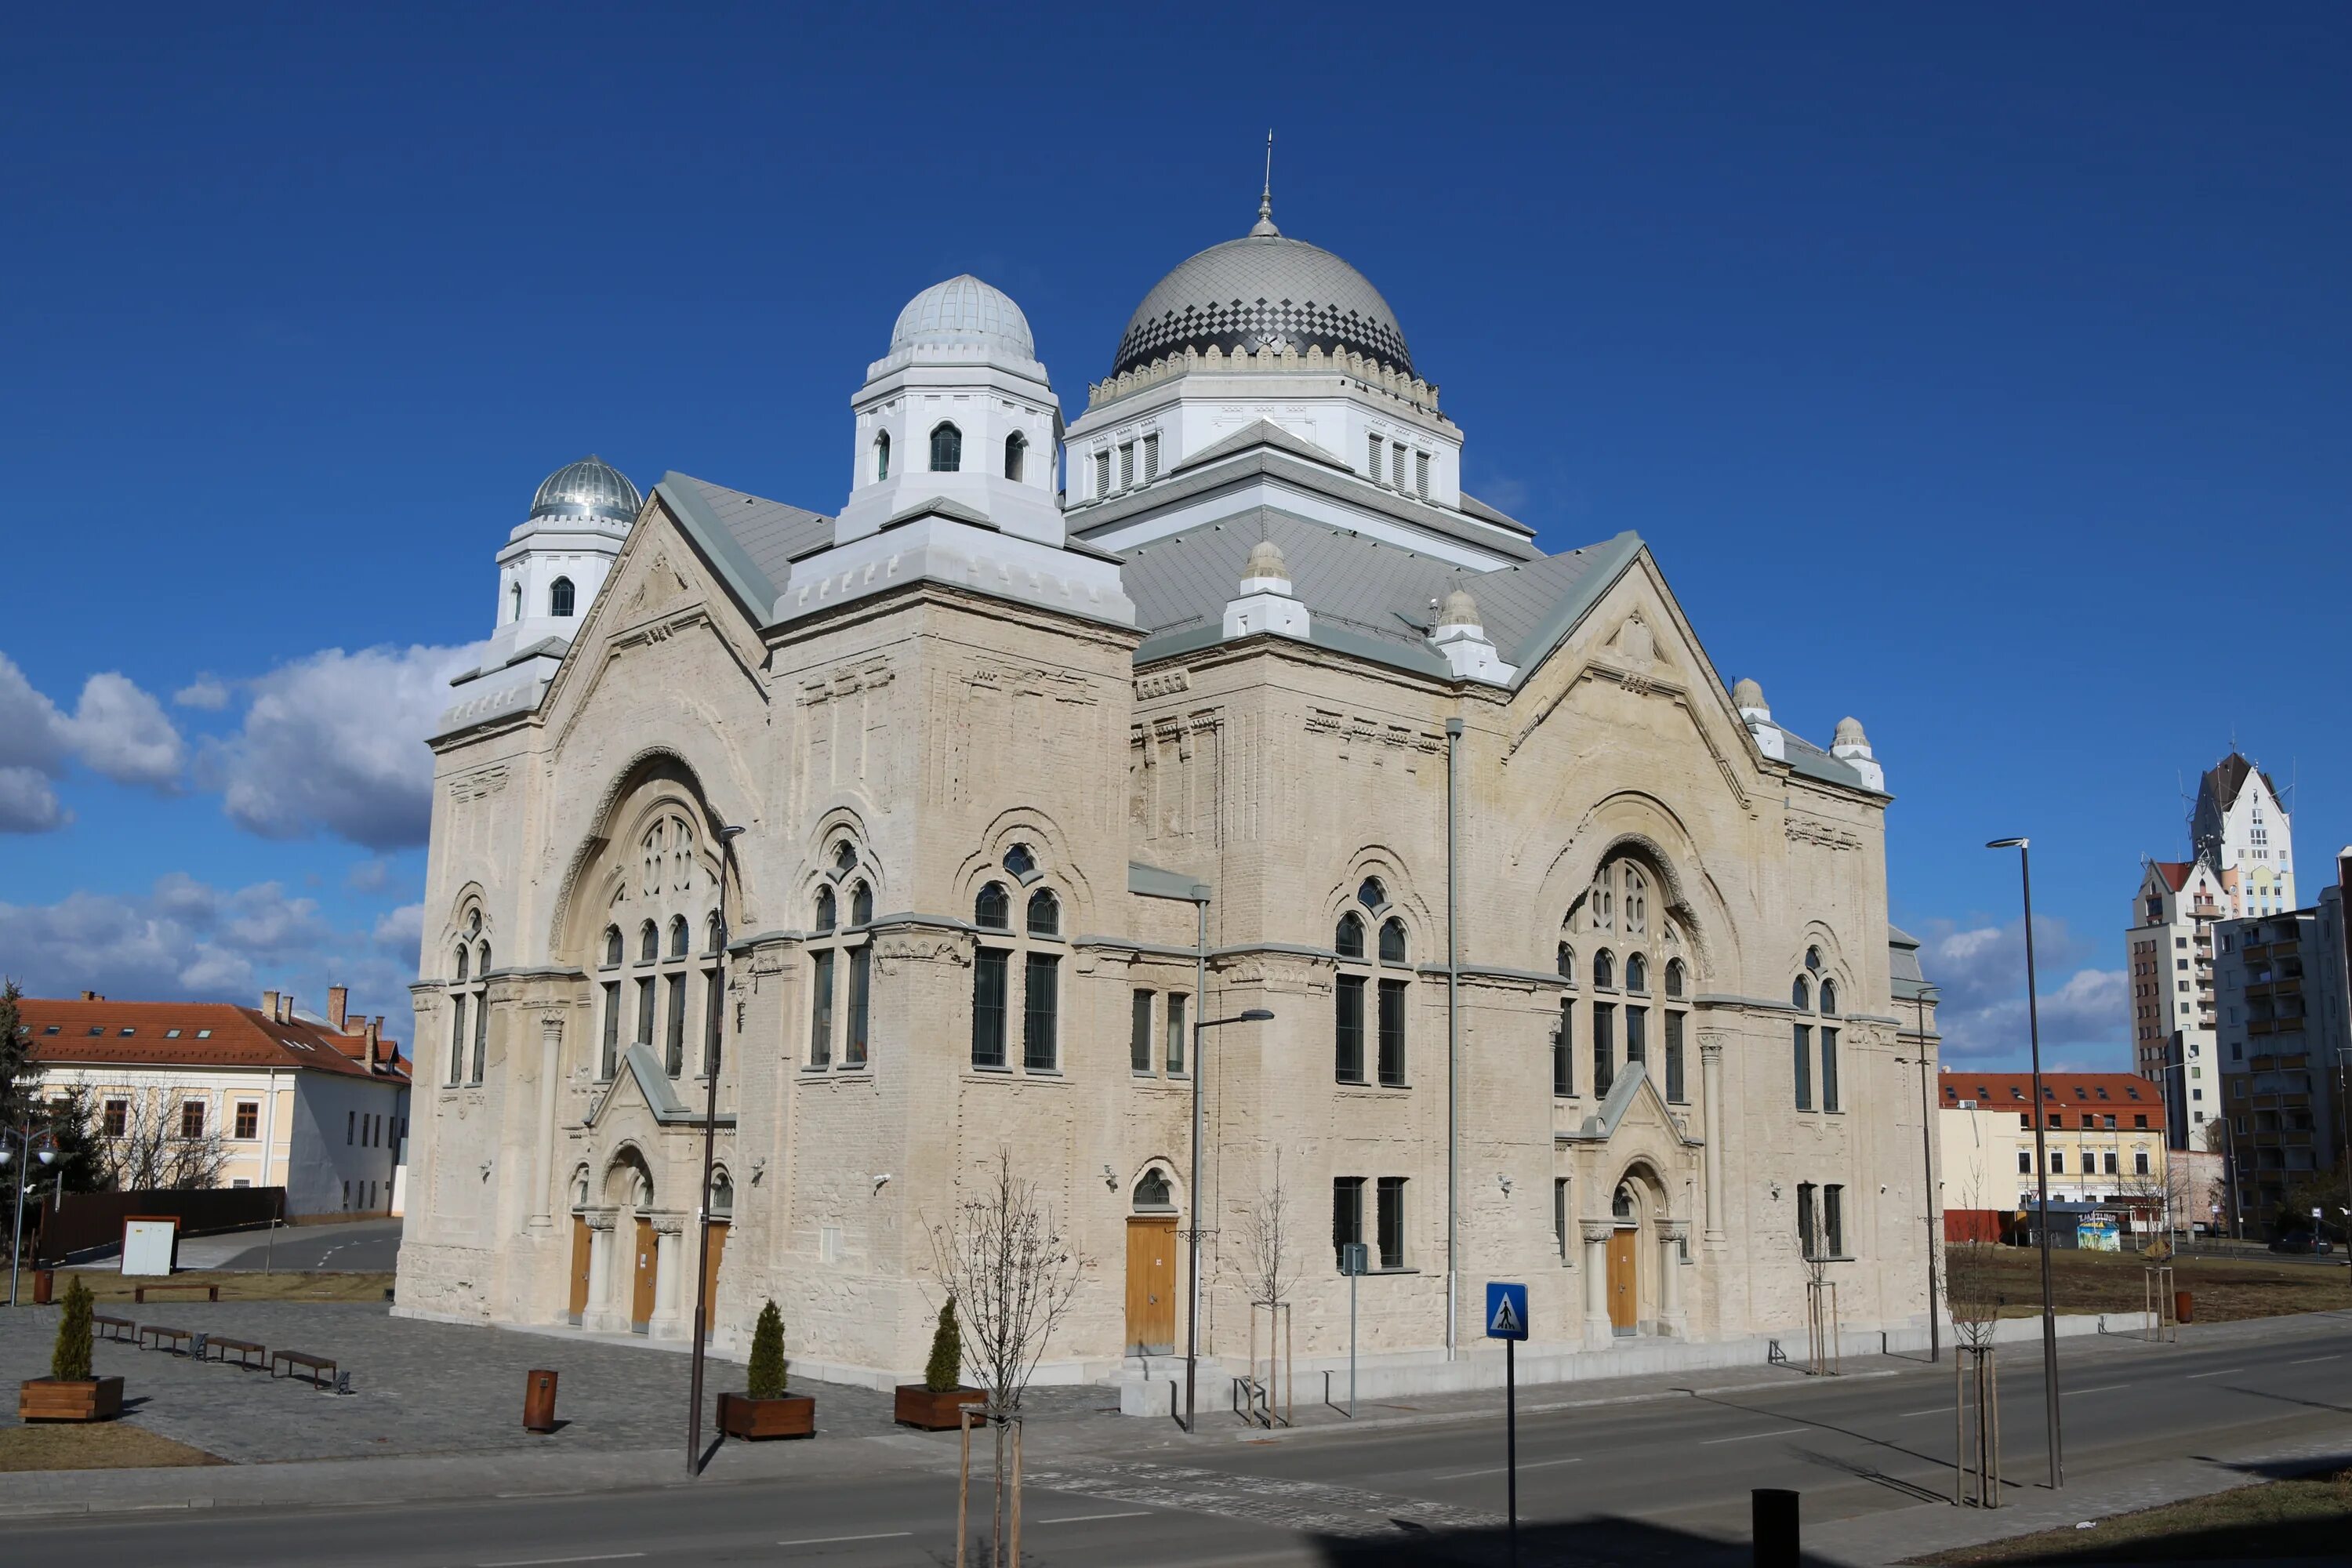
{"type": "Point", "coordinates": [1453, 1038]}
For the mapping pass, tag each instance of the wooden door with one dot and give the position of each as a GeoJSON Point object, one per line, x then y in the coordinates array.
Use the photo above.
{"type": "Point", "coordinates": [710, 1276]}
{"type": "Point", "coordinates": [1625, 1293]}
{"type": "Point", "coordinates": [582, 1249]}
{"type": "Point", "coordinates": [1152, 1286]}
{"type": "Point", "coordinates": [641, 1307]}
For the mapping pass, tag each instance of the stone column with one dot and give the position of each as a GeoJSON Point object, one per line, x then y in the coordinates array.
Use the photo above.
{"type": "Point", "coordinates": [542, 1160]}
{"type": "Point", "coordinates": [1672, 1236]}
{"type": "Point", "coordinates": [1710, 1060]}
{"type": "Point", "coordinates": [600, 1270]}
{"type": "Point", "coordinates": [1597, 1233]}
{"type": "Point", "coordinates": [668, 1234]}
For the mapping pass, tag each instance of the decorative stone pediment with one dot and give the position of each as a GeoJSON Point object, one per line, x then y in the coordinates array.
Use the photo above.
{"type": "Point", "coordinates": [641, 1083]}
{"type": "Point", "coordinates": [1634, 1105]}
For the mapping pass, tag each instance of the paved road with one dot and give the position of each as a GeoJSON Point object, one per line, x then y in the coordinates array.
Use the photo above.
{"type": "Point", "coordinates": [1663, 1480]}
{"type": "Point", "coordinates": [371, 1246]}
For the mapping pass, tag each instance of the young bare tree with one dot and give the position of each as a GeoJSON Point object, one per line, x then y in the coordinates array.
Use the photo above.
{"type": "Point", "coordinates": [155, 1151]}
{"type": "Point", "coordinates": [1266, 1271]}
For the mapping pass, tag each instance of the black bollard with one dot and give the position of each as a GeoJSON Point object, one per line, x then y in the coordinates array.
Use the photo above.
{"type": "Point", "coordinates": [1773, 1516]}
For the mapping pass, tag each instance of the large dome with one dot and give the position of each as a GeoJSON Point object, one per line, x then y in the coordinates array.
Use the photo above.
{"type": "Point", "coordinates": [1259, 290]}
{"type": "Point", "coordinates": [963, 313]}
{"type": "Point", "coordinates": [591, 487]}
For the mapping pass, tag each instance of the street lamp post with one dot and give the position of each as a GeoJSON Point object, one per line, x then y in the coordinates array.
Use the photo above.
{"type": "Point", "coordinates": [23, 1137]}
{"type": "Point", "coordinates": [1193, 1259]}
{"type": "Point", "coordinates": [2040, 1164]}
{"type": "Point", "coordinates": [700, 1329]}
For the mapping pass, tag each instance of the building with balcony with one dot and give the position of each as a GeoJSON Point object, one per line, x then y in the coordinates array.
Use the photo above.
{"type": "Point", "coordinates": [2169, 947]}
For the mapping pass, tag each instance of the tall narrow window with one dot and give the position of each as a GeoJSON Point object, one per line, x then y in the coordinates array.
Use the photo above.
{"type": "Point", "coordinates": [1125, 465]}
{"type": "Point", "coordinates": [648, 943]}
{"type": "Point", "coordinates": [1421, 475]}
{"type": "Point", "coordinates": [820, 1007]}
{"type": "Point", "coordinates": [1396, 467]}
{"type": "Point", "coordinates": [1674, 1091]}
{"type": "Point", "coordinates": [1372, 458]}
{"type": "Point", "coordinates": [1016, 448]}
{"type": "Point", "coordinates": [828, 911]}
{"type": "Point", "coordinates": [861, 985]}
{"type": "Point", "coordinates": [1151, 456]}
{"type": "Point", "coordinates": [1177, 1028]}
{"type": "Point", "coordinates": [1637, 1035]}
{"type": "Point", "coordinates": [1348, 939]}
{"type": "Point", "coordinates": [1045, 913]}
{"type": "Point", "coordinates": [1102, 474]}
{"type": "Point", "coordinates": [992, 911]}
{"type": "Point", "coordinates": [192, 1119]}
{"type": "Point", "coordinates": [988, 986]}
{"type": "Point", "coordinates": [1348, 1064]}
{"type": "Point", "coordinates": [1559, 1216]}
{"type": "Point", "coordinates": [1139, 1034]}
{"type": "Point", "coordinates": [612, 945]}
{"type": "Point", "coordinates": [1040, 1012]}
{"type": "Point", "coordinates": [610, 1061]}
{"type": "Point", "coordinates": [1805, 1220]}
{"type": "Point", "coordinates": [678, 936]}
{"type": "Point", "coordinates": [457, 1038]}
{"type": "Point", "coordinates": [1347, 1216]}
{"type": "Point", "coordinates": [1802, 1060]}
{"type": "Point", "coordinates": [1389, 1198]}
{"type": "Point", "coordinates": [558, 598]}
{"type": "Point", "coordinates": [1563, 1050]}
{"type": "Point", "coordinates": [947, 449]}
{"type": "Point", "coordinates": [714, 1009]}
{"type": "Point", "coordinates": [1604, 1048]}
{"type": "Point", "coordinates": [1604, 970]}
{"type": "Point", "coordinates": [882, 455]}
{"type": "Point", "coordinates": [1829, 1068]}
{"type": "Point", "coordinates": [673, 1035]}
{"type": "Point", "coordinates": [481, 1033]}
{"type": "Point", "coordinates": [1392, 941]}
{"type": "Point", "coordinates": [1833, 1219]}
{"type": "Point", "coordinates": [645, 1034]}
{"type": "Point", "coordinates": [514, 602]}
{"type": "Point", "coordinates": [1392, 1034]}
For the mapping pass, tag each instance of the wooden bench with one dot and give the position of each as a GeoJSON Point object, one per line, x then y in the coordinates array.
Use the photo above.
{"type": "Point", "coordinates": [139, 1293]}
{"type": "Point", "coordinates": [107, 1328]}
{"type": "Point", "coordinates": [322, 1371]}
{"type": "Point", "coordinates": [220, 1348]}
{"type": "Point", "coordinates": [158, 1333]}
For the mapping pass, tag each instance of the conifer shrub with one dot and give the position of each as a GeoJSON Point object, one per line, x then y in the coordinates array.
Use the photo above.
{"type": "Point", "coordinates": [768, 1370]}
{"type": "Point", "coordinates": [944, 1374]}
{"type": "Point", "coordinates": [70, 1361]}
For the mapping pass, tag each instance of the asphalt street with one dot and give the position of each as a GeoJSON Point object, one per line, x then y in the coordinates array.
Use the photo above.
{"type": "Point", "coordinates": [369, 1248]}
{"type": "Point", "coordinates": [1659, 1480]}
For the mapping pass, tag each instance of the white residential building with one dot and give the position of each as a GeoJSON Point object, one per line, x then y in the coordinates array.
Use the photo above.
{"type": "Point", "coordinates": [2171, 952]}
{"type": "Point", "coordinates": [2240, 827]}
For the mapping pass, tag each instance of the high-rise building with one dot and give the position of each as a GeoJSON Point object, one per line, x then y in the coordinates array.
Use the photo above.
{"type": "Point", "coordinates": [2170, 949]}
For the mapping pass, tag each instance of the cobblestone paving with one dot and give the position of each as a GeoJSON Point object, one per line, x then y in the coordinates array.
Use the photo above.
{"type": "Point", "coordinates": [423, 1388]}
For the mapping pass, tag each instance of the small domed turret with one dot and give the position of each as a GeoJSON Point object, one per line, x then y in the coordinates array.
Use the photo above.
{"type": "Point", "coordinates": [591, 487]}
{"type": "Point", "coordinates": [1746, 694]}
{"type": "Point", "coordinates": [1849, 734]}
{"type": "Point", "coordinates": [963, 313]}
{"type": "Point", "coordinates": [1266, 563]}
{"type": "Point", "coordinates": [1459, 609]}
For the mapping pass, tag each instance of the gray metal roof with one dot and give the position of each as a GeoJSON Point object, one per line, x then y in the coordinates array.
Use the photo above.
{"type": "Point", "coordinates": [589, 487]}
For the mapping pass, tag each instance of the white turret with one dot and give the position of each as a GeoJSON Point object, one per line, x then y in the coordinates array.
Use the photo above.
{"type": "Point", "coordinates": [552, 565]}
{"type": "Point", "coordinates": [1267, 602]}
{"type": "Point", "coordinates": [1460, 640]}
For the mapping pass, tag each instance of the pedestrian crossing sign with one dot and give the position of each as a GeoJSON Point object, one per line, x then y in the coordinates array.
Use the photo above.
{"type": "Point", "coordinates": [1506, 1311]}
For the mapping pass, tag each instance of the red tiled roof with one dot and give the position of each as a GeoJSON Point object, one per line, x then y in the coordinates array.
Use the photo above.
{"type": "Point", "coordinates": [2174, 873]}
{"type": "Point", "coordinates": [2113, 1092]}
{"type": "Point", "coordinates": [196, 1034]}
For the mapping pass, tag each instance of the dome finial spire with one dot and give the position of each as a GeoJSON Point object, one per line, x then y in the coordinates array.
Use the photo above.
{"type": "Point", "coordinates": [1264, 227]}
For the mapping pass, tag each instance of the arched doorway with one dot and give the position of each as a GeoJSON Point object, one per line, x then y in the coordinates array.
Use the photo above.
{"type": "Point", "coordinates": [1152, 1265]}
{"type": "Point", "coordinates": [1625, 1261]}
{"type": "Point", "coordinates": [629, 1187]}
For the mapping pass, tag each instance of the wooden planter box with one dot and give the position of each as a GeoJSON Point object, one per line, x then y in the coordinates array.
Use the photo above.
{"type": "Point", "coordinates": [88, 1399]}
{"type": "Point", "coordinates": [919, 1407]}
{"type": "Point", "coordinates": [787, 1416]}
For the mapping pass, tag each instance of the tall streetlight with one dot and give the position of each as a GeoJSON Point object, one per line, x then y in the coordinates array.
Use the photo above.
{"type": "Point", "coordinates": [2041, 1165]}
{"type": "Point", "coordinates": [41, 1156]}
{"type": "Point", "coordinates": [717, 1034]}
{"type": "Point", "coordinates": [1192, 1260]}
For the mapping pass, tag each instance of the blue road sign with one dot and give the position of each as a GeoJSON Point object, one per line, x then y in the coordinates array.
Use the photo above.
{"type": "Point", "coordinates": [1506, 1311]}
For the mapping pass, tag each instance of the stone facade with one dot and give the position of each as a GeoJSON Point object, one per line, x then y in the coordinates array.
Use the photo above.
{"type": "Point", "coordinates": [914, 747]}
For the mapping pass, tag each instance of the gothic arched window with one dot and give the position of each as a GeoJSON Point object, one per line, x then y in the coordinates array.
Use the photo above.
{"type": "Point", "coordinates": [1350, 938]}
{"type": "Point", "coordinates": [558, 598]}
{"type": "Point", "coordinates": [882, 455]}
{"type": "Point", "coordinates": [861, 905]}
{"type": "Point", "coordinates": [1016, 447]}
{"type": "Point", "coordinates": [826, 916]}
{"type": "Point", "coordinates": [1017, 978]}
{"type": "Point", "coordinates": [947, 449]}
{"type": "Point", "coordinates": [992, 911]}
{"type": "Point", "coordinates": [678, 936]}
{"type": "Point", "coordinates": [648, 943]}
{"type": "Point", "coordinates": [612, 945]}
{"type": "Point", "coordinates": [1045, 913]}
{"type": "Point", "coordinates": [1392, 941]}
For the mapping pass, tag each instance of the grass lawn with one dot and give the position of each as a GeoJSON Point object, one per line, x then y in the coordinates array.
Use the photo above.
{"type": "Point", "coordinates": [95, 1445]}
{"type": "Point", "coordinates": [2305, 1518]}
{"type": "Point", "coordinates": [237, 1285]}
{"type": "Point", "coordinates": [2226, 1289]}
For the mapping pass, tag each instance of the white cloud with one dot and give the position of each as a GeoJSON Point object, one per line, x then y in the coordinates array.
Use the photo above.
{"type": "Point", "coordinates": [1981, 974]}
{"type": "Point", "coordinates": [334, 742]}
{"type": "Point", "coordinates": [116, 730]}
{"type": "Point", "coordinates": [204, 693]}
{"type": "Point", "coordinates": [184, 938]}
{"type": "Point", "coordinates": [368, 876]}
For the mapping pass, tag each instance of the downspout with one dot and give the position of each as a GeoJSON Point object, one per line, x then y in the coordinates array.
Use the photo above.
{"type": "Point", "coordinates": [1453, 1037]}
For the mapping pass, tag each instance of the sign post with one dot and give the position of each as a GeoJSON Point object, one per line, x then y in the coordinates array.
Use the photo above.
{"type": "Point", "coordinates": [1353, 1258]}
{"type": "Point", "coordinates": [1506, 1319]}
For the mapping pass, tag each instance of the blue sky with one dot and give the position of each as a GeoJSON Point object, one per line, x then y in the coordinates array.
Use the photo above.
{"type": "Point", "coordinates": [1981, 375]}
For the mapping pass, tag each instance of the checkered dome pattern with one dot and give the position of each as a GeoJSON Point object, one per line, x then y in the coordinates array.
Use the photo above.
{"type": "Point", "coordinates": [1249, 292]}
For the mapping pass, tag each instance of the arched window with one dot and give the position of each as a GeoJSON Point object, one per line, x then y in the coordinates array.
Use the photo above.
{"type": "Point", "coordinates": [648, 943]}
{"type": "Point", "coordinates": [722, 1193]}
{"type": "Point", "coordinates": [861, 905]}
{"type": "Point", "coordinates": [947, 449]}
{"type": "Point", "coordinates": [882, 455]}
{"type": "Point", "coordinates": [558, 598]}
{"type": "Point", "coordinates": [992, 911]}
{"type": "Point", "coordinates": [465, 957]}
{"type": "Point", "coordinates": [1637, 973]}
{"type": "Point", "coordinates": [844, 858]}
{"type": "Point", "coordinates": [469, 1005]}
{"type": "Point", "coordinates": [1045, 913]}
{"type": "Point", "coordinates": [1674, 978]}
{"type": "Point", "coordinates": [1372, 894]}
{"type": "Point", "coordinates": [1622, 1206]}
{"type": "Point", "coordinates": [1021, 862]}
{"type": "Point", "coordinates": [826, 916]}
{"type": "Point", "coordinates": [474, 923]}
{"type": "Point", "coordinates": [1350, 938]}
{"type": "Point", "coordinates": [1801, 996]}
{"type": "Point", "coordinates": [1151, 1194]}
{"type": "Point", "coordinates": [711, 932]}
{"type": "Point", "coordinates": [1567, 962]}
{"type": "Point", "coordinates": [1392, 941]}
{"type": "Point", "coordinates": [1604, 970]}
{"type": "Point", "coordinates": [678, 936]}
{"type": "Point", "coordinates": [612, 945]}
{"type": "Point", "coordinates": [1016, 447]}
{"type": "Point", "coordinates": [1813, 960]}
{"type": "Point", "coordinates": [514, 602]}
{"type": "Point", "coordinates": [482, 960]}
{"type": "Point", "coordinates": [1828, 999]}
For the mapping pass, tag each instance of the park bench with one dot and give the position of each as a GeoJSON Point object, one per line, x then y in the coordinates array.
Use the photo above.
{"type": "Point", "coordinates": [322, 1371]}
{"type": "Point", "coordinates": [221, 1347]}
{"type": "Point", "coordinates": [157, 1333]}
{"type": "Point", "coordinates": [108, 1328]}
{"type": "Point", "coordinates": [139, 1293]}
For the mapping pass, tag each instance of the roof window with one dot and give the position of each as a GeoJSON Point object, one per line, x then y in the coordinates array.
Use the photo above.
{"type": "Point", "coordinates": [171, 1034]}
{"type": "Point", "coordinates": [51, 1030]}
{"type": "Point", "coordinates": [126, 1034]}
{"type": "Point", "coordinates": [204, 1034]}
{"type": "Point", "coordinates": [97, 1028]}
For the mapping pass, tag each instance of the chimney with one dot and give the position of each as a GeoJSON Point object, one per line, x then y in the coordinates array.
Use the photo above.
{"type": "Point", "coordinates": [338, 998]}
{"type": "Point", "coordinates": [91, 996]}
{"type": "Point", "coordinates": [269, 1004]}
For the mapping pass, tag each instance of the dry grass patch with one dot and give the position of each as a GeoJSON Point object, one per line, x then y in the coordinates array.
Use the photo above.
{"type": "Point", "coordinates": [2306, 1518]}
{"type": "Point", "coordinates": [97, 1446]}
{"type": "Point", "coordinates": [2226, 1289]}
{"type": "Point", "coordinates": [239, 1285]}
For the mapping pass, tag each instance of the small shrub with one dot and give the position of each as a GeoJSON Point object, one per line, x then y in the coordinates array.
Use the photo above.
{"type": "Point", "coordinates": [945, 1372]}
{"type": "Point", "coordinates": [769, 1369]}
{"type": "Point", "coordinates": [69, 1362]}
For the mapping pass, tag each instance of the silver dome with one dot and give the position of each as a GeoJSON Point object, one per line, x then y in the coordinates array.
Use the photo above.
{"type": "Point", "coordinates": [1258, 290]}
{"type": "Point", "coordinates": [589, 488]}
{"type": "Point", "coordinates": [963, 313]}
